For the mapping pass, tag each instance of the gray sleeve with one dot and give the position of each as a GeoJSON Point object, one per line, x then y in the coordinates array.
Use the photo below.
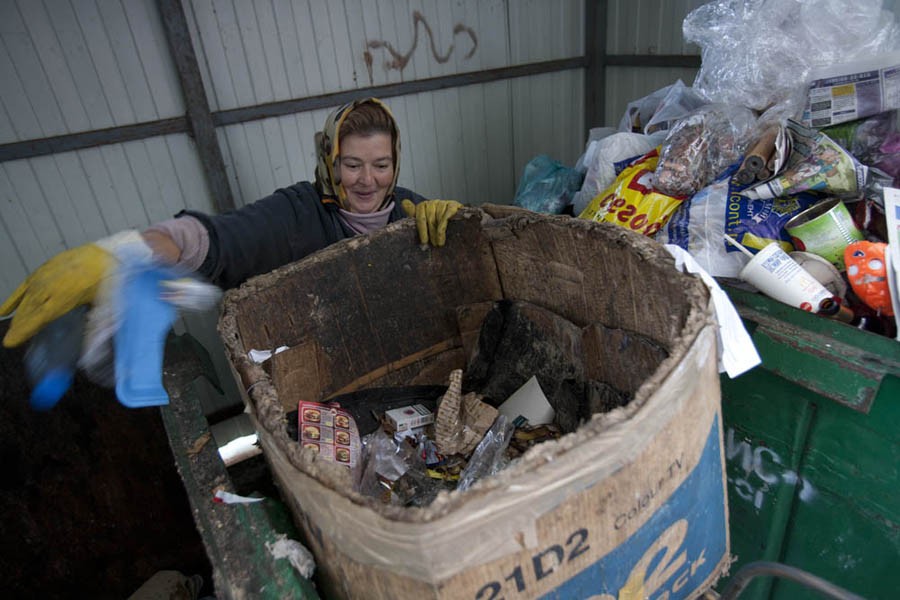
{"type": "Point", "coordinates": [190, 236]}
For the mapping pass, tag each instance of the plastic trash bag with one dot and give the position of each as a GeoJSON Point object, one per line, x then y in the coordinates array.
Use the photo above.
{"type": "Point", "coordinates": [699, 224]}
{"type": "Point", "coordinates": [601, 164]}
{"type": "Point", "coordinates": [659, 111]}
{"type": "Point", "coordinates": [701, 146]}
{"type": "Point", "coordinates": [489, 457]}
{"type": "Point", "coordinates": [547, 186]}
{"type": "Point", "coordinates": [759, 53]}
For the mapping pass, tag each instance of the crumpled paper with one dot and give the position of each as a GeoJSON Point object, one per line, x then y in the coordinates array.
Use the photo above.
{"type": "Point", "coordinates": [461, 421]}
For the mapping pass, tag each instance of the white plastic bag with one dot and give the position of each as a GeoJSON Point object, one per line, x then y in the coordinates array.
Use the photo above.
{"type": "Point", "coordinates": [601, 162]}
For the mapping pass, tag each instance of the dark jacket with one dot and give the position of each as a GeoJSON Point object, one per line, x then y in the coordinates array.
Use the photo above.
{"type": "Point", "coordinates": [279, 229]}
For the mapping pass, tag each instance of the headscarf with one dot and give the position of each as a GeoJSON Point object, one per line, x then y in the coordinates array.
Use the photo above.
{"type": "Point", "coordinates": [328, 151]}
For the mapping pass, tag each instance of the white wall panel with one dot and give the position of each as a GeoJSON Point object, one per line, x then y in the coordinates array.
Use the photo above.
{"type": "Point", "coordinates": [51, 203]}
{"type": "Point", "coordinates": [69, 67]}
{"type": "Point", "coordinates": [640, 27]}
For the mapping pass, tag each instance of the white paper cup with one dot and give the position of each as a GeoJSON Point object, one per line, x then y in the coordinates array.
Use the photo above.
{"type": "Point", "coordinates": [778, 275]}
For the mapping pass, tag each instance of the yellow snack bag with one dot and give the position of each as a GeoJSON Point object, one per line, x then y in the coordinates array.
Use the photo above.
{"type": "Point", "coordinates": [631, 200]}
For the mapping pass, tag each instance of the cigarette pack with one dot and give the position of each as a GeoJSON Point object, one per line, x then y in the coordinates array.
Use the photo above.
{"type": "Point", "coordinates": [407, 417]}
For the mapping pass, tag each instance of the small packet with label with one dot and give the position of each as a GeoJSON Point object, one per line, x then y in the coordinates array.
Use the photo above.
{"type": "Point", "coordinates": [329, 431]}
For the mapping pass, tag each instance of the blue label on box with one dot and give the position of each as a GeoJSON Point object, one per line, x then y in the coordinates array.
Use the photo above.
{"type": "Point", "coordinates": [674, 552]}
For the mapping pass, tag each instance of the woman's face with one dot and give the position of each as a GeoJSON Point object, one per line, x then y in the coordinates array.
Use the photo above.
{"type": "Point", "coordinates": [366, 168]}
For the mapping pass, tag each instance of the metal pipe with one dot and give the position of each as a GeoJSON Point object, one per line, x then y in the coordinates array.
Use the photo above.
{"type": "Point", "coordinates": [742, 579]}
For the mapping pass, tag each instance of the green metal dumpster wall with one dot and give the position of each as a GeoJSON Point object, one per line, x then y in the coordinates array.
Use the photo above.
{"type": "Point", "coordinates": [812, 443]}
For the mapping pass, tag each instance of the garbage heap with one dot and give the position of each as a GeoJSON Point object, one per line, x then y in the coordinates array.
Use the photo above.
{"type": "Point", "coordinates": [776, 170]}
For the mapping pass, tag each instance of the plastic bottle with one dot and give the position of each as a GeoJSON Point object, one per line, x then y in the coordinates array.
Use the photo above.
{"type": "Point", "coordinates": [52, 357]}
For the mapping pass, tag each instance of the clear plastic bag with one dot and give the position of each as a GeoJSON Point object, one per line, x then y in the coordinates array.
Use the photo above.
{"type": "Point", "coordinates": [384, 462]}
{"type": "Point", "coordinates": [701, 146]}
{"type": "Point", "coordinates": [758, 53]}
{"type": "Point", "coordinates": [489, 457]}
{"type": "Point", "coordinates": [660, 110]}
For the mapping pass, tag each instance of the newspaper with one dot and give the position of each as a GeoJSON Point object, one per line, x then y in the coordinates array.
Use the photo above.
{"type": "Point", "coordinates": [815, 162]}
{"type": "Point", "coordinates": [853, 90]}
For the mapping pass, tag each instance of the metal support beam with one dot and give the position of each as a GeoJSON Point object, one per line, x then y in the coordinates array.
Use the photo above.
{"type": "Point", "coordinates": [595, 15]}
{"type": "Point", "coordinates": [91, 139]}
{"type": "Point", "coordinates": [287, 107]}
{"type": "Point", "coordinates": [686, 61]}
{"type": "Point", "coordinates": [130, 133]}
{"type": "Point", "coordinates": [199, 116]}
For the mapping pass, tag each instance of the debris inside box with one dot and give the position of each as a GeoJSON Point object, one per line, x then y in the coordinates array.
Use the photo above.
{"type": "Point", "coordinates": [524, 385]}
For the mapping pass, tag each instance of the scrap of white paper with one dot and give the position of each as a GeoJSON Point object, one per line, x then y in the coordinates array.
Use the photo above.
{"type": "Point", "coordinates": [530, 402]}
{"type": "Point", "coordinates": [737, 354]}
{"type": "Point", "coordinates": [224, 497]}
{"type": "Point", "coordinates": [261, 356]}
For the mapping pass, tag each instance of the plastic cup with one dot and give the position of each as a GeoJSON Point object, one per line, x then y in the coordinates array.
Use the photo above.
{"type": "Point", "coordinates": [778, 275]}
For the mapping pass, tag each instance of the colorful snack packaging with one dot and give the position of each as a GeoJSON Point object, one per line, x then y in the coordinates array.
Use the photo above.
{"type": "Point", "coordinates": [631, 200]}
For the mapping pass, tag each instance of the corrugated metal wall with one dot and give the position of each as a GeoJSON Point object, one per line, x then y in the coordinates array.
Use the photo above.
{"type": "Point", "coordinates": [260, 52]}
{"type": "Point", "coordinates": [644, 27]}
{"type": "Point", "coordinates": [71, 67]}
{"type": "Point", "coordinates": [67, 71]}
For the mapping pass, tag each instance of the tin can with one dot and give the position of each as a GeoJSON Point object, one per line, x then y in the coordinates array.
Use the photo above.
{"type": "Point", "coordinates": [824, 229]}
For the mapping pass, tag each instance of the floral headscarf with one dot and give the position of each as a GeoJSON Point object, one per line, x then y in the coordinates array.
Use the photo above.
{"type": "Point", "coordinates": [328, 150]}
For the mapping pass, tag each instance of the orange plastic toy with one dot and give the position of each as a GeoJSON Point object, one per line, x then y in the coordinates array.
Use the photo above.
{"type": "Point", "coordinates": [867, 272]}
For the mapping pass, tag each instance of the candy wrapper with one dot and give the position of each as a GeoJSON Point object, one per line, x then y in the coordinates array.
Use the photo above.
{"type": "Point", "coordinates": [329, 431]}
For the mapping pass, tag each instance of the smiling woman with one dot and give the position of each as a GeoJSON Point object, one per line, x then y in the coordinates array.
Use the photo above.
{"type": "Point", "coordinates": [355, 192]}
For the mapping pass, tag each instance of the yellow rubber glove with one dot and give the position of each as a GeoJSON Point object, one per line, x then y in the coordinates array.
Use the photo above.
{"type": "Point", "coordinates": [431, 218]}
{"type": "Point", "coordinates": [69, 279]}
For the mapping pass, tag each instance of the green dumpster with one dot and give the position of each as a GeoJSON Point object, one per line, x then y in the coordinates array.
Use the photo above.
{"type": "Point", "coordinates": [812, 448]}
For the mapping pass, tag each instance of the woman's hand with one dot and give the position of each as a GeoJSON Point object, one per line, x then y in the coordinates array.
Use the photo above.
{"type": "Point", "coordinates": [431, 218]}
{"type": "Point", "coordinates": [69, 279]}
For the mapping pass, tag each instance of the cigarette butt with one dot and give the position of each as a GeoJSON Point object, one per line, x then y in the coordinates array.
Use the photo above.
{"type": "Point", "coordinates": [770, 164]}
{"type": "Point", "coordinates": [763, 174]}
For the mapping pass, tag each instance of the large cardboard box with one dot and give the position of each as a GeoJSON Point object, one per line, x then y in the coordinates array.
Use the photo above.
{"type": "Point", "coordinates": [630, 505]}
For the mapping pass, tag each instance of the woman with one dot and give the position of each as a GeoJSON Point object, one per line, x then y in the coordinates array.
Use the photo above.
{"type": "Point", "coordinates": [355, 192]}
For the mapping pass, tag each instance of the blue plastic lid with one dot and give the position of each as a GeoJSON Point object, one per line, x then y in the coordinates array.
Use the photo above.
{"type": "Point", "coordinates": [52, 386]}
